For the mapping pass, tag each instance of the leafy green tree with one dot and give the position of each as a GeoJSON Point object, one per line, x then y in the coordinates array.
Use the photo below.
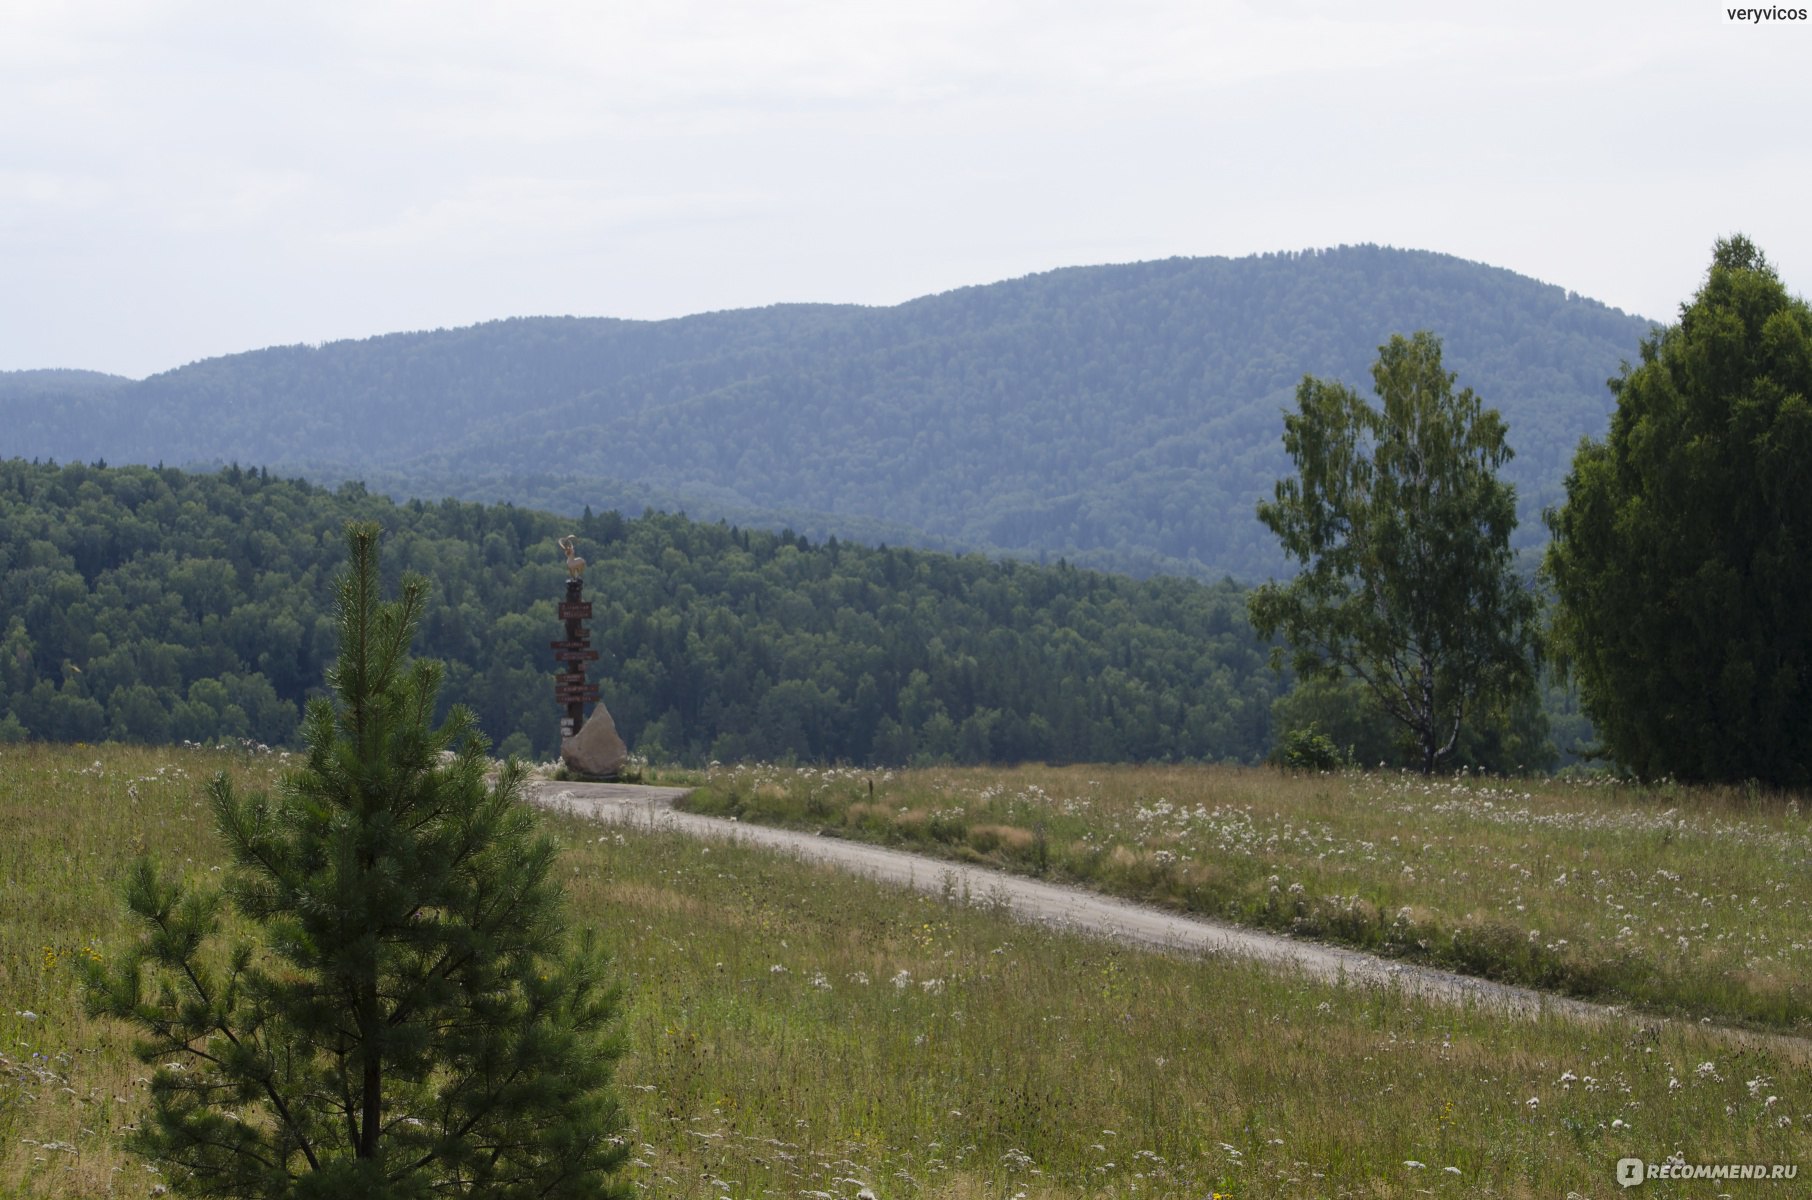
{"type": "Point", "coordinates": [1682, 558]}
{"type": "Point", "coordinates": [1402, 528]}
{"type": "Point", "coordinates": [409, 1018]}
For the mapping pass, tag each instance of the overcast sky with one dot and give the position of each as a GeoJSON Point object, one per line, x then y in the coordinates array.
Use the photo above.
{"type": "Point", "coordinates": [180, 180]}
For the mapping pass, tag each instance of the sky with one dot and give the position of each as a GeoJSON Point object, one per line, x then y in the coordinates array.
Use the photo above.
{"type": "Point", "coordinates": [182, 180]}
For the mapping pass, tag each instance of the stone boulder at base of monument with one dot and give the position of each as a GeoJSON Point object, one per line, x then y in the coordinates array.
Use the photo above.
{"type": "Point", "coordinates": [596, 749]}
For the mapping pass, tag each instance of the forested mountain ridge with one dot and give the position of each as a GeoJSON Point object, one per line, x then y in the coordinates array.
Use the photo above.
{"type": "Point", "coordinates": [55, 384]}
{"type": "Point", "coordinates": [153, 605]}
{"type": "Point", "coordinates": [1123, 416]}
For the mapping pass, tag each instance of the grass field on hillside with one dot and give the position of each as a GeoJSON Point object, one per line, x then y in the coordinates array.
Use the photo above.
{"type": "Point", "coordinates": [1694, 901]}
{"type": "Point", "coordinates": [796, 1032]}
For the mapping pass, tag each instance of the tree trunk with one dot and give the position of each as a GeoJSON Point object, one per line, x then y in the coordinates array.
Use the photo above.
{"type": "Point", "coordinates": [372, 1107]}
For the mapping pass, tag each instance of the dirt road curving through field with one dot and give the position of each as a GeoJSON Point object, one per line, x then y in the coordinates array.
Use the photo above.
{"type": "Point", "coordinates": [1090, 913]}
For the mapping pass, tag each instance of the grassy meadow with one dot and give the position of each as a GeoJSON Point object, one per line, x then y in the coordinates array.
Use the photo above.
{"type": "Point", "coordinates": [1694, 902]}
{"type": "Point", "coordinates": [796, 1032]}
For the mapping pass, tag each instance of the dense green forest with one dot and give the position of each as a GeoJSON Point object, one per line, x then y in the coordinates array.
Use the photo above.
{"type": "Point", "coordinates": [1127, 417]}
{"type": "Point", "coordinates": [155, 605]}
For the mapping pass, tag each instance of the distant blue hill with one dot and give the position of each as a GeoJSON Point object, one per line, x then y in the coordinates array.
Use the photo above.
{"type": "Point", "coordinates": [1126, 417]}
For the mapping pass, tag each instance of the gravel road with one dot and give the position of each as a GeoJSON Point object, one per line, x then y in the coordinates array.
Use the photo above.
{"type": "Point", "coordinates": [1089, 913]}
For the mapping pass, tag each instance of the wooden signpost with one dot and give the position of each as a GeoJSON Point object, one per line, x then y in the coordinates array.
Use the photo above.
{"type": "Point", "coordinates": [572, 652]}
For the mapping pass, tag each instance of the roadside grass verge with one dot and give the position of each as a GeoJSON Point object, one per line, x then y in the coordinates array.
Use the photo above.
{"type": "Point", "coordinates": [797, 1032]}
{"type": "Point", "coordinates": [1686, 901]}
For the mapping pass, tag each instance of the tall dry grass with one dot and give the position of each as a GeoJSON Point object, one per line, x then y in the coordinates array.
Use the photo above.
{"type": "Point", "coordinates": [1683, 900]}
{"type": "Point", "coordinates": [795, 1032]}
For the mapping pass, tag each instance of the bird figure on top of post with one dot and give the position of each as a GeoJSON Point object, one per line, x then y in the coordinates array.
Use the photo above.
{"type": "Point", "coordinates": [575, 566]}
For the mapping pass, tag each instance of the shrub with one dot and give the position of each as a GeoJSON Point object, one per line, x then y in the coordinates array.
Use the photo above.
{"type": "Point", "coordinates": [1308, 749]}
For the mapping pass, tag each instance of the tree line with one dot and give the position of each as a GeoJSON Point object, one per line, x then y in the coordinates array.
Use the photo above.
{"type": "Point", "coordinates": [153, 605]}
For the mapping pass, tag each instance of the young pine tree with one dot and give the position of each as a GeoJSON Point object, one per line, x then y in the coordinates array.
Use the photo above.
{"type": "Point", "coordinates": [384, 1002]}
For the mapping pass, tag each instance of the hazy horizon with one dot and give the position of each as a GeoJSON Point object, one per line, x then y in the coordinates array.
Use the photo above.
{"type": "Point", "coordinates": [198, 178]}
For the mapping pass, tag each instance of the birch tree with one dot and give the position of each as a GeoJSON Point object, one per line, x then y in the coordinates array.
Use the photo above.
{"type": "Point", "coordinates": [1402, 529]}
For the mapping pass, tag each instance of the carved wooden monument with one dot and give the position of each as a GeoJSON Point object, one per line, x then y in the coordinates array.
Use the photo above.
{"type": "Point", "coordinates": [588, 747]}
